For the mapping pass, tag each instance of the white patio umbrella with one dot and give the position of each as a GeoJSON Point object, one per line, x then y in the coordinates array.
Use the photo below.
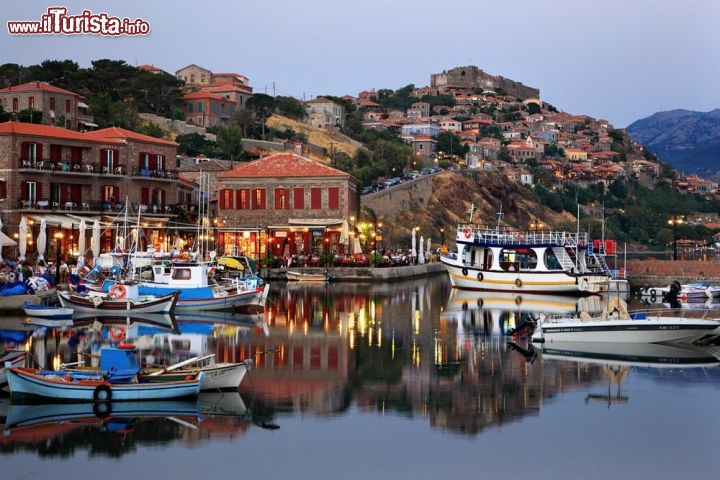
{"type": "Point", "coordinates": [413, 248]}
{"type": "Point", "coordinates": [429, 245]}
{"type": "Point", "coordinates": [356, 246]}
{"type": "Point", "coordinates": [95, 241]}
{"type": "Point", "coordinates": [81, 244]}
{"type": "Point", "coordinates": [22, 239]}
{"type": "Point", "coordinates": [345, 234]}
{"type": "Point", "coordinates": [421, 256]}
{"type": "Point", "coordinates": [42, 241]}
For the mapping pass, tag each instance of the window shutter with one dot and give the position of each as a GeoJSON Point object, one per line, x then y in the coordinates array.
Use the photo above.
{"type": "Point", "coordinates": [145, 195]}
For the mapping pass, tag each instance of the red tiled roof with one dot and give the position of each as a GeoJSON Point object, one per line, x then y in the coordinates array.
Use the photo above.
{"type": "Point", "coordinates": [33, 86]}
{"type": "Point", "coordinates": [120, 134]}
{"type": "Point", "coordinates": [37, 130]}
{"type": "Point", "coordinates": [202, 94]}
{"type": "Point", "coordinates": [283, 165]}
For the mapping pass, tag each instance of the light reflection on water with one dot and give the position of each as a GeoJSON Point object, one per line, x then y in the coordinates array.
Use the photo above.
{"type": "Point", "coordinates": [405, 379]}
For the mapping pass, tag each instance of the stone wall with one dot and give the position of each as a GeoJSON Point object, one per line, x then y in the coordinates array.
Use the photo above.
{"type": "Point", "coordinates": [660, 273]}
{"type": "Point", "coordinates": [178, 126]}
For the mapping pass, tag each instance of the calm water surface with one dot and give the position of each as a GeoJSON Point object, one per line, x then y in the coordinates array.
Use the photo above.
{"type": "Point", "coordinates": [404, 380]}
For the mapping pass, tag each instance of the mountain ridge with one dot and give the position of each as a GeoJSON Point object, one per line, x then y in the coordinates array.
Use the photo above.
{"type": "Point", "coordinates": [688, 140]}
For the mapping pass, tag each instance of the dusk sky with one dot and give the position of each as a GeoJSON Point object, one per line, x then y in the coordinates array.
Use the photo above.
{"type": "Point", "coordinates": [621, 60]}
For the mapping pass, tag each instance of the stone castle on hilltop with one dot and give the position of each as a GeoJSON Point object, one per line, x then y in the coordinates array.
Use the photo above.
{"type": "Point", "coordinates": [471, 77]}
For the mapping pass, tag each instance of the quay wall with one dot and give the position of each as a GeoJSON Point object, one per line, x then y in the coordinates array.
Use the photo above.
{"type": "Point", "coordinates": [660, 273]}
{"type": "Point", "coordinates": [367, 274]}
{"type": "Point", "coordinates": [656, 273]}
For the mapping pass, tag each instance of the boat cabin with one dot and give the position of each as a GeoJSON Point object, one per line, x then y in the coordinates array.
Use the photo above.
{"type": "Point", "coordinates": [180, 275]}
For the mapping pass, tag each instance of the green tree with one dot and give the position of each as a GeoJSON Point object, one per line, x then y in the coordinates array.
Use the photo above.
{"type": "Point", "coordinates": [194, 144]}
{"type": "Point", "coordinates": [229, 140]}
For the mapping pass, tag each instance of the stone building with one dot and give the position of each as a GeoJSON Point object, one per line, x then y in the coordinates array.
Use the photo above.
{"type": "Point", "coordinates": [287, 204]}
{"type": "Point", "coordinates": [471, 77]}
{"type": "Point", "coordinates": [59, 107]}
{"type": "Point", "coordinates": [194, 75]}
{"type": "Point", "coordinates": [325, 113]}
{"type": "Point", "coordinates": [65, 176]}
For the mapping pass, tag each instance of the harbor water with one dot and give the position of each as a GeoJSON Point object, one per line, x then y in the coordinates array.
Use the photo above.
{"type": "Point", "coordinates": [407, 380]}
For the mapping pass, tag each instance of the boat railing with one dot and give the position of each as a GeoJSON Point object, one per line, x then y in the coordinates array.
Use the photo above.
{"type": "Point", "coordinates": [510, 236]}
{"type": "Point", "coordinates": [635, 315]}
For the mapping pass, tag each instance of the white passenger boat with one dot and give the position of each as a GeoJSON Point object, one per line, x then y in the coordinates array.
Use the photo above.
{"type": "Point", "coordinates": [547, 262]}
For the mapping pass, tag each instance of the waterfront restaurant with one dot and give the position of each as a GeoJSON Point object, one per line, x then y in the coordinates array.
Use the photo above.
{"type": "Point", "coordinates": [284, 205]}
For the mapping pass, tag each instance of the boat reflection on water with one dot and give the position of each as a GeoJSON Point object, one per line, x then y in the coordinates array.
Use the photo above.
{"type": "Point", "coordinates": [617, 360]}
{"type": "Point", "coordinates": [502, 312]}
{"type": "Point", "coordinates": [115, 428]}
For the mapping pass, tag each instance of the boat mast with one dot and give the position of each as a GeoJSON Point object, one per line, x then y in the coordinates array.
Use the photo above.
{"type": "Point", "coordinates": [499, 216]}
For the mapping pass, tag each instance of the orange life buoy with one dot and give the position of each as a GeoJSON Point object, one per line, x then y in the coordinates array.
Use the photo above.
{"type": "Point", "coordinates": [467, 232]}
{"type": "Point", "coordinates": [116, 334]}
{"type": "Point", "coordinates": [118, 291]}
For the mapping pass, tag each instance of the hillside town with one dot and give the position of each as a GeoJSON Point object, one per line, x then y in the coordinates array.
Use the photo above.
{"type": "Point", "coordinates": [288, 200]}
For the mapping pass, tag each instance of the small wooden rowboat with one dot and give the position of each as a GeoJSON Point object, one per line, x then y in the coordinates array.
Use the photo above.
{"type": "Point", "coordinates": [117, 379]}
{"type": "Point", "coordinates": [47, 311]}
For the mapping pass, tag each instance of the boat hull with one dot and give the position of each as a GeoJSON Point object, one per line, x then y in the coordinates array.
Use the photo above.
{"type": "Point", "coordinates": [216, 377]}
{"type": "Point", "coordinates": [16, 359]}
{"type": "Point", "coordinates": [656, 330]}
{"type": "Point", "coordinates": [85, 304]}
{"type": "Point", "coordinates": [552, 283]}
{"type": "Point", "coordinates": [222, 301]}
{"type": "Point", "coordinates": [25, 384]}
{"type": "Point", "coordinates": [305, 277]}
{"type": "Point", "coordinates": [46, 311]}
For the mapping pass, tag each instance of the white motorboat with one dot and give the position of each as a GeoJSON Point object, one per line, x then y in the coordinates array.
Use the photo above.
{"type": "Point", "coordinates": [616, 325]}
{"type": "Point", "coordinates": [688, 292]}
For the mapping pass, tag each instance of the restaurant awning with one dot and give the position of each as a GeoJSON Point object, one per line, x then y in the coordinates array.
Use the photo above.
{"type": "Point", "coordinates": [73, 221]}
{"type": "Point", "coordinates": [62, 221]}
{"type": "Point", "coordinates": [325, 222]}
{"type": "Point", "coordinates": [6, 241]}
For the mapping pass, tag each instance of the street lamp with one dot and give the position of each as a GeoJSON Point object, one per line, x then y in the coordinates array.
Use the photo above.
{"type": "Point", "coordinates": [378, 236]}
{"type": "Point", "coordinates": [442, 237]}
{"type": "Point", "coordinates": [674, 222]}
{"type": "Point", "coordinates": [58, 249]}
{"type": "Point", "coordinates": [535, 225]}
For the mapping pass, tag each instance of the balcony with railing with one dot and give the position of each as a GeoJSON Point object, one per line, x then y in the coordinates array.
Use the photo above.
{"type": "Point", "coordinates": [69, 167]}
{"type": "Point", "coordinates": [33, 205]}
